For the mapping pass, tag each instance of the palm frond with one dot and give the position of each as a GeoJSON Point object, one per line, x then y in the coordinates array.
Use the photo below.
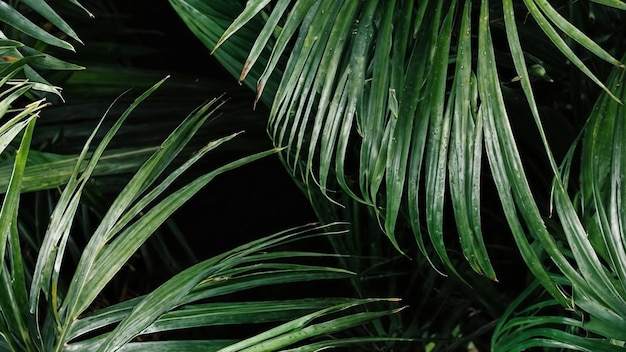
{"type": "Point", "coordinates": [13, 283]}
{"type": "Point", "coordinates": [49, 171]}
{"type": "Point", "coordinates": [15, 19]}
{"type": "Point", "coordinates": [394, 102]}
{"type": "Point", "coordinates": [16, 46]}
{"type": "Point", "coordinates": [600, 231]}
{"type": "Point", "coordinates": [532, 321]}
{"type": "Point", "coordinates": [55, 315]}
{"type": "Point", "coordinates": [175, 305]}
{"type": "Point", "coordinates": [329, 93]}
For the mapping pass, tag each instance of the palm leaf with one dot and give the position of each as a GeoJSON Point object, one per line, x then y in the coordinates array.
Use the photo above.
{"type": "Point", "coordinates": [466, 156]}
{"type": "Point", "coordinates": [13, 283]}
{"type": "Point", "coordinates": [13, 278]}
{"type": "Point", "coordinates": [526, 324]}
{"type": "Point", "coordinates": [49, 171]}
{"type": "Point", "coordinates": [16, 18]}
{"type": "Point", "coordinates": [54, 315]}
{"type": "Point", "coordinates": [43, 9]}
{"type": "Point", "coordinates": [313, 102]}
{"type": "Point", "coordinates": [406, 100]}
{"type": "Point", "coordinates": [174, 306]}
{"type": "Point", "coordinates": [604, 249]}
{"type": "Point", "coordinates": [183, 301]}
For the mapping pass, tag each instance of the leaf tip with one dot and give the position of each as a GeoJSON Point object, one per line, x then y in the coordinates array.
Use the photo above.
{"type": "Point", "coordinates": [278, 149]}
{"type": "Point", "coordinates": [397, 310]}
{"type": "Point", "coordinates": [246, 69]}
{"type": "Point", "coordinates": [89, 13]}
{"type": "Point", "coordinates": [259, 90]}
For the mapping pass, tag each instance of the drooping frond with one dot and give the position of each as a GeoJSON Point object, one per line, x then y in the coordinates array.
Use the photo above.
{"type": "Point", "coordinates": [395, 102]}
{"type": "Point", "coordinates": [403, 82]}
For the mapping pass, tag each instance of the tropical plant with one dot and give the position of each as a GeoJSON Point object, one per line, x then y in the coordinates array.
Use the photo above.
{"type": "Point", "coordinates": [65, 319]}
{"type": "Point", "coordinates": [53, 290]}
{"type": "Point", "coordinates": [24, 43]}
{"type": "Point", "coordinates": [394, 104]}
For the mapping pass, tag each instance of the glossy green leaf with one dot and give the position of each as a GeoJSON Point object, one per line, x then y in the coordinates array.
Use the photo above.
{"type": "Point", "coordinates": [526, 326]}
{"type": "Point", "coordinates": [343, 343]}
{"type": "Point", "coordinates": [12, 283]}
{"type": "Point", "coordinates": [151, 313]}
{"type": "Point", "coordinates": [53, 247]}
{"type": "Point", "coordinates": [573, 32]}
{"type": "Point", "coordinates": [208, 21]}
{"type": "Point", "coordinates": [419, 102]}
{"type": "Point", "coordinates": [506, 166]}
{"type": "Point", "coordinates": [305, 117]}
{"type": "Point", "coordinates": [466, 156]}
{"type": "Point", "coordinates": [437, 149]}
{"type": "Point", "coordinates": [13, 18]}
{"type": "Point", "coordinates": [47, 62]}
{"type": "Point", "coordinates": [57, 169]}
{"type": "Point", "coordinates": [376, 107]}
{"type": "Point", "coordinates": [42, 8]}
{"type": "Point", "coordinates": [236, 313]}
{"type": "Point", "coordinates": [167, 345]}
{"type": "Point", "coordinates": [299, 13]}
{"type": "Point", "coordinates": [618, 4]}
{"type": "Point", "coordinates": [251, 10]}
{"type": "Point", "coordinates": [299, 329]}
{"type": "Point", "coordinates": [407, 135]}
{"type": "Point", "coordinates": [78, 4]}
{"type": "Point", "coordinates": [604, 249]}
{"type": "Point", "coordinates": [145, 176]}
{"type": "Point", "coordinates": [115, 255]}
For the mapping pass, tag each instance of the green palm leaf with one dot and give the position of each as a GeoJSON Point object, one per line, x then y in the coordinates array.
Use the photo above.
{"type": "Point", "coordinates": [602, 245]}
{"type": "Point", "coordinates": [49, 171]}
{"type": "Point", "coordinates": [392, 102]}
{"type": "Point", "coordinates": [322, 102]}
{"type": "Point", "coordinates": [180, 303]}
{"type": "Point", "coordinates": [526, 324]}
{"type": "Point", "coordinates": [13, 284]}
{"type": "Point", "coordinates": [15, 17]}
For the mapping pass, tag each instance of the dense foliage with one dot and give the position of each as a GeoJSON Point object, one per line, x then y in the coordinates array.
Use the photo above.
{"type": "Point", "coordinates": [463, 156]}
{"type": "Point", "coordinates": [421, 110]}
{"type": "Point", "coordinates": [70, 249]}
